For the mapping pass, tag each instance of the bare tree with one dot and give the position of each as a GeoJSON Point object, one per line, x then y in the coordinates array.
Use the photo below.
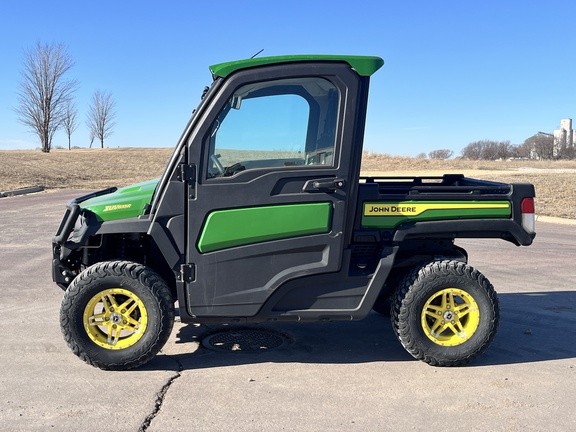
{"type": "Point", "coordinates": [489, 150]}
{"type": "Point", "coordinates": [101, 115]}
{"type": "Point", "coordinates": [473, 150]}
{"type": "Point", "coordinates": [569, 153]}
{"type": "Point", "coordinates": [539, 146]}
{"type": "Point", "coordinates": [44, 90]}
{"type": "Point", "coordinates": [69, 122]}
{"type": "Point", "coordinates": [440, 154]}
{"type": "Point", "coordinates": [504, 150]}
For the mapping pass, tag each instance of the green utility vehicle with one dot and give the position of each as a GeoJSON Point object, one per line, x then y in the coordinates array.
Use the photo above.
{"type": "Point", "coordinates": [261, 216]}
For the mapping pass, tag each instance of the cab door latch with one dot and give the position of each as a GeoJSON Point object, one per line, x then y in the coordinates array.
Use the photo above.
{"type": "Point", "coordinates": [324, 185]}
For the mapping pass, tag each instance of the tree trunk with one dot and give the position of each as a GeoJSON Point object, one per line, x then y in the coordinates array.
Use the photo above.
{"type": "Point", "coordinates": [45, 142]}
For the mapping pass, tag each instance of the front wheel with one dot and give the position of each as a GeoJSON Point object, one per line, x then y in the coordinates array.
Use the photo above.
{"type": "Point", "coordinates": [445, 313]}
{"type": "Point", "coordinates": [117, 315]}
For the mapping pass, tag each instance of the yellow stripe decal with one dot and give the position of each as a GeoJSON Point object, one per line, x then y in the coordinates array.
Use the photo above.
{"type": "Point", "coordinates": [410, 208]}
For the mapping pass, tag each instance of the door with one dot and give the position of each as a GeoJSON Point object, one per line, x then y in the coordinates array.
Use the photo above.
{"type": "Point", "coordinates": [275, 170]}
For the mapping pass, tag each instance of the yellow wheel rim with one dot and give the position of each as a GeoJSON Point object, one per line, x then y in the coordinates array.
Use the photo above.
{"type": "Point", "coordinates": [115, 319]}
{"type": "Point", "coordinates": [450, 317]}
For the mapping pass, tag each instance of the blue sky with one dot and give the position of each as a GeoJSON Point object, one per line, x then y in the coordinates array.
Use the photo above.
{"type": "Point", "coordinates": [455, 71]}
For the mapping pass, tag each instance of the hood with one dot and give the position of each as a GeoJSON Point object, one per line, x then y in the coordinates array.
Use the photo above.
{"type": "Point", "coordinates": [127, 202]}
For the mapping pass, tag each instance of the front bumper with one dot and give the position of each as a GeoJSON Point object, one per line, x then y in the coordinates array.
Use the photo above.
{"type": "Point", "coordinates": [72, 234]}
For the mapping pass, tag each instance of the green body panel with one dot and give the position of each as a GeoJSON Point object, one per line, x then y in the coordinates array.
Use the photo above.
{"type": "Point", "coordinates": [363, 65]}
{"type": "Point", "coordinates": [237, 227]}
{"type": "Point", "coordinates": [127, 202]}
{"type": "Point", "coordinates": [390, 214]}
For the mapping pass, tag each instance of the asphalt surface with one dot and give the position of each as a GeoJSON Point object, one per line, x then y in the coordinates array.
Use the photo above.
{"type": "Point", "coordinates": [330, 377]}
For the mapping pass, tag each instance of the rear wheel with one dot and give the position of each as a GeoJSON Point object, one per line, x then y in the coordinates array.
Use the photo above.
{"type": "Point", "coordinates": [117, 315]}
{"type": "Point", "coordinates": [445, 313]}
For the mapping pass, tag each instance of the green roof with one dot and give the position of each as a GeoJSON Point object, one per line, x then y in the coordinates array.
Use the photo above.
{"type": "Point", "coordinates": [363, 65]}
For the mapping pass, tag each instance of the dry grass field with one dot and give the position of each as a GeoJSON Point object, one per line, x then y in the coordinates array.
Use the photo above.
{"type": "Point", "coordinates": [555, 181]}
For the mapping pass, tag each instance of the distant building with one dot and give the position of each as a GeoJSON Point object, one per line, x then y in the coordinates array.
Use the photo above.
{"type": "Point", "coordinates": [564, 137]}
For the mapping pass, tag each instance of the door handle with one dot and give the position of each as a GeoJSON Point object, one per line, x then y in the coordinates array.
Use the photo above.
{"type": "Point", "coordinates": [324, 185]}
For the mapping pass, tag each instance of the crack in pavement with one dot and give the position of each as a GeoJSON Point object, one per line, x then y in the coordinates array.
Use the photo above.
{"type": "Point", "coordinates": [160, 398]}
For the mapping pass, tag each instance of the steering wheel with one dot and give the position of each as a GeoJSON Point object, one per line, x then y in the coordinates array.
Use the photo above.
{"type": "Point", "coordinates": [217, 164]}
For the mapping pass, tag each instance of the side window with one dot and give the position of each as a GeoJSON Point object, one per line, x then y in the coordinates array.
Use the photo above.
{"type": "Point", "coordinates": [284, 123]}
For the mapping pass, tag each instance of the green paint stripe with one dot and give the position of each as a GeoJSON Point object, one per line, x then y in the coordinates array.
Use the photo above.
{"type": "Point", "coordinates": [224, 229]}
{"type": "Point", "coordinates": [388, 214]}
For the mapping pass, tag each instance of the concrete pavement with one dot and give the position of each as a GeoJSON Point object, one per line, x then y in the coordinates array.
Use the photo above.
{"type": "Point", "coordinates": [331, 377]}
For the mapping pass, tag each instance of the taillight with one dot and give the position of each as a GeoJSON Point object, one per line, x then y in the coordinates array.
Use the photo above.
{"type": "Point", "coordinates": [528, 205]}
{"type": "Point", "coordinates": [528, 216]}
